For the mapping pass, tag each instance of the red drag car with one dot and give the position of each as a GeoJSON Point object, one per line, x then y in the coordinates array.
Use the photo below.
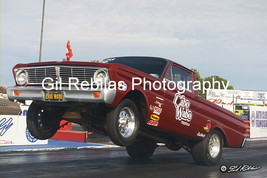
{"type": "Point", "coordinates": [137, 101]}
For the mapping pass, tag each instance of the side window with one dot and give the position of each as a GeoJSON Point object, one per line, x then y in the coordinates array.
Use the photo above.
{"type": "Point", "coordinates": [177, 74]}
{"type": "Point", "coordinates": [169, 75]}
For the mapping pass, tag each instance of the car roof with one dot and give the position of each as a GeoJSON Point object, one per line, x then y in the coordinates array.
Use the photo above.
{"type": "Point", "coordinates": [151, 57]}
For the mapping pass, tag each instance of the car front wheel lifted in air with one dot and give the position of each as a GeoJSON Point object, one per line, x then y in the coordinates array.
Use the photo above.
{"type": "Point", "coordinates": [209, 150]}
{"type": "Point", "coordinates": [123, 123]}
{"type": "Point", "coordinates": [41, 122]}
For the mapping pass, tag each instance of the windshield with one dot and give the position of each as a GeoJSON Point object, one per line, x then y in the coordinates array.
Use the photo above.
{"type": "Point", "coordinates": [150, 65]}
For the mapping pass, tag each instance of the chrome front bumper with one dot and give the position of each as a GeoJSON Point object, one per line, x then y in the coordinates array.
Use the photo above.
{"type": "Point", "coordinates": [38, 94]}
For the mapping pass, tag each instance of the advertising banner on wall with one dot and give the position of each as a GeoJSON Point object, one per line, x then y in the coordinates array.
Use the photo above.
{"type": "Point", "coordinates": [228, 98]}
{"type": "Point", "coordinates": [14, 131]}
{"type": "Point", "coordinates": [258, 121]}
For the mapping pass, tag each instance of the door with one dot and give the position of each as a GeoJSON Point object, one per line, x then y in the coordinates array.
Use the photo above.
{"type": "Point", "coordinates": [181, 107]}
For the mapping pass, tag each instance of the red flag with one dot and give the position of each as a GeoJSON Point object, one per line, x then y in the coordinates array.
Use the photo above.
{"type": "Point", "coordinates": [69, 51]}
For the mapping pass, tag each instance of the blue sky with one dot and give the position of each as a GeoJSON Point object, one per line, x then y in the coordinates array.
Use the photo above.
{"type": "Point", "coordinates": [226, 38]}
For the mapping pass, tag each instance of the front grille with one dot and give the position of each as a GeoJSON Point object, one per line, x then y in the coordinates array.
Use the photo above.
{"type": "Point", "coordinates": [37, 74]}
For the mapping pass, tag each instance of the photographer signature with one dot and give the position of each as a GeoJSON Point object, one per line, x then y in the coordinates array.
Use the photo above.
{"type": "Point", "coordinates": [5, 124]}
{"type": "Point", "coordinates": [239, 168]}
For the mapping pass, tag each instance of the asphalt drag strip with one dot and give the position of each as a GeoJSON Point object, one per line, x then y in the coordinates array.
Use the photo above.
{"type": "Point", "coordinates": [250, 161]}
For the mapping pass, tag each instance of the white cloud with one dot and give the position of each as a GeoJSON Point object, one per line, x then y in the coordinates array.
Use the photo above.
{"type": "Point", "coordinates": [205, 34]}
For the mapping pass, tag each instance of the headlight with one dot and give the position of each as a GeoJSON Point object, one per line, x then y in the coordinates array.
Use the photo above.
{"type": "Point", "coordinates": [101, 76]}
{"type": "Point", "coordinates": [21, 77]}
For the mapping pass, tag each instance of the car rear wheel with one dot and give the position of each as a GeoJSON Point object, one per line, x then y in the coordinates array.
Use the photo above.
{"type": "Point", "coordinates": [123, 123]}
{"type": "Point", "coordinates": [141, 148]}
{"type": "Point", "coordinates": [209, 150]}
{"type": "Point", "coordinates": [42, 124]}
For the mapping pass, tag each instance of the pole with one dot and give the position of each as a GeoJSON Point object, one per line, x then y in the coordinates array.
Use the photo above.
{"type": "Point", "coordinates": [42, 30]}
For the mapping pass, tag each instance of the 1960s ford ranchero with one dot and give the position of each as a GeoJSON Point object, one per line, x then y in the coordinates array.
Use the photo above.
{"type": "Point", "coordinates": [137, 113]}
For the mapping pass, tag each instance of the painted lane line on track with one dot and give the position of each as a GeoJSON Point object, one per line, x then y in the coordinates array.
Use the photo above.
{"type": "Point", "coordinates": [59, 148]}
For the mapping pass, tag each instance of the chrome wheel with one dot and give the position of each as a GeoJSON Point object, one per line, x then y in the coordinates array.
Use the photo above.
{"type": "Point", "coordinates": [126, 122]}
{"type": "Point", "coordinates": [123, 122]}
{"type": "Point", "coordinates": [214, 146]}
{"type": "Point", "coordinates": [209, 150]}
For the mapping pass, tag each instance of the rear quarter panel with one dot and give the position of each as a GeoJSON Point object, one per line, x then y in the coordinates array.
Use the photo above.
{"type": "Point", "coordinates": [230, 124]}
{"type": "Point", "coordinates": [203, 111]}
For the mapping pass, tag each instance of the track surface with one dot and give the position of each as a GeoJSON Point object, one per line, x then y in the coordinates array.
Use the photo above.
{"type": "Point", "coordinates": [114, 162]}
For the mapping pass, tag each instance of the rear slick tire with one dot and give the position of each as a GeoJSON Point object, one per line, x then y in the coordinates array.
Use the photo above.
{"type": "Point", "coordinates": [141, 149]}
{"type": "Point", "coordinates": [208, 151]}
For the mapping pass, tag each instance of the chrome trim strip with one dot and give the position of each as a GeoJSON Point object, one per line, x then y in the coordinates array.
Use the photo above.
{"type": "Point", "coordinates": [38, 94]}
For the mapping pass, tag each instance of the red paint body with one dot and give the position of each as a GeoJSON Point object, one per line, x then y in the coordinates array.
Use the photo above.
{"type": "Point", "coordinates": [206, 115]}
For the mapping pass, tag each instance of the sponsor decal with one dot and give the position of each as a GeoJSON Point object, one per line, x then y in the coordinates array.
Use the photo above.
{"type": "Point", "coordinates": [258, 119]}
{"type": "Point", "coordinates": [154, 117]}
{"type": "Point", "coordinates": [220, 102]}
{"type": "Point", "coordinates": [153, 123]}
{"type": "Point", "coordinates": [199, 134]}
{"type": "Point", "coordinates": [29, 137]}
{"type": "Point", "coordinates": [159, 98]}
{"type": "Point", "coordinates": [185, 123]}
{"type": "Point", "coordinates": [151, 107]}
{"type": "Point", "coordinates": [182, 106]}
{"type": "Point", "coordinates": [159, 104]}
{"type": "Point", "coordinates": [5, 124]}
{"type": "Point", "coordinates": [207, 127]}
{"type": "Point", "coordinates": [157, 110]}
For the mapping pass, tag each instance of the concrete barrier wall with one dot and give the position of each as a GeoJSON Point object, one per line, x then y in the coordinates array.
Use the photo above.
{"type": "Point", "coordinates": [14, 131]}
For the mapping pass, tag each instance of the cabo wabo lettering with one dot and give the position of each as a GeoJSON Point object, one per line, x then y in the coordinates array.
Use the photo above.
{"type": "Point", "coordinates": [182, 106]}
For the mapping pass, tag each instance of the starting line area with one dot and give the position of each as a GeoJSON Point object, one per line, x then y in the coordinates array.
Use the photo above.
{"type": "Point", "coordinates": [54, 145]}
